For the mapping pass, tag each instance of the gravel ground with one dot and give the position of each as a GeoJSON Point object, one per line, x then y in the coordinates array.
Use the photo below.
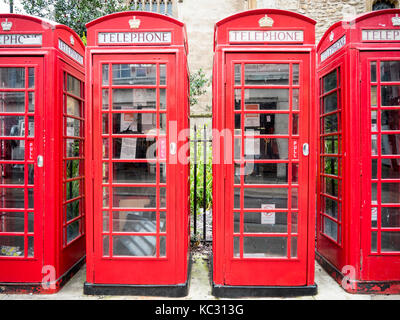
{"type": "Point", "coordinates": [199, 226]}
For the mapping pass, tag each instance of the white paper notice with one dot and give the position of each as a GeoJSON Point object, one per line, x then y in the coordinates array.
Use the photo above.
{"type": "Point", "coordinates": [128, 148]}
{"type": "Point", "coordinates": [252, 145]}
{"type": "Point", "coordinates": [268, 217]}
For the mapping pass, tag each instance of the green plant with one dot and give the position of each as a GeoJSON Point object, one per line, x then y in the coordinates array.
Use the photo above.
{"type": "Point", "coordinates": [200, 195]}
{"type": "Point", "coordinates": [198, 84]}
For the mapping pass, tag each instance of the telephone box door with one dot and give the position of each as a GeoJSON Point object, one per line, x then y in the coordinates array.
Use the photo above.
{"type": "Point", "coordinates": [134, 215]}
{"type": "Point", "coordinates": [21, 162]}
{"type": "Point", "coordinates": [381, 165]}
{"type": "Point", "coordinates": [267, 108]}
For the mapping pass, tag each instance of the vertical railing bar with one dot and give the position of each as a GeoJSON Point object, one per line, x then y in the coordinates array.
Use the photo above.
{"type": "Point", "coordinates": [195, 182]}
{"type": "Point", "coordinates": [204, 182]}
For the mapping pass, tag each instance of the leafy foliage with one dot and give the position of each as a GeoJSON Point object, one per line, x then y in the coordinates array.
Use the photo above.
{"type": "Point", "coordinates": [73, 13]}
{"type": "Point", "coordinates": [198, 84]}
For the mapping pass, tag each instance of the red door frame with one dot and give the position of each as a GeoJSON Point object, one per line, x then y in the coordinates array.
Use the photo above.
{"type": "Point", "coordinates": [374, 265]}
{"type": "Point", "coordinates": [16, 268]}
{"type": "Point", "coordinates": [109, 269]}
{"type": "Point", "coordinates": [288, 271]}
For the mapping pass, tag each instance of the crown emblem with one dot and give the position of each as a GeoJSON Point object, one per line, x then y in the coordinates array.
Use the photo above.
{"type": "Point", "coordinates": [72, 40]}
{"type": "Point", "coordinates": [266, 22]}
{"type": "Point", "coordinates": [134, 23]}
{"type": "Point", "coordinates": [396, 20]}
{"type": "Point", "coordinates": [6, 25]}
{"type": "Point", "coordinates": [331, 36]}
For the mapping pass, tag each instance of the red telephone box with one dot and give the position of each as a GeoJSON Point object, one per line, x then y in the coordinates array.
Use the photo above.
{"type": "Point", "coordinates": [42, 232]}
{"type": "Point", "coordinates": [138, 190]}
{"type": "Point", "coordinates": [264, 151]}
{"type": "Point", "coordinates": [358, 225]}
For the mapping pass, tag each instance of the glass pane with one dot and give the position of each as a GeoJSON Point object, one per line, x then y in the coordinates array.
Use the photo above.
{"type": "Point", "coordinates": [163, 222]}
{"type": "Point", "coordinates": [12, 149]}
{"type": "Point", "coordinates": [295, 74]}
{"type": "Point", "coordinates": [390, 168]}
{"type": "Point", "coordinates": [72, 189]}
{"type": "Point", "coordinates": [236, 222]}
{"type": "Point", "coordinates": [390, 70]}
{"type": "Point", "coordinates": [106, 246]}
{"type": "Point", "coordinates": [331, 165]}
{"type": "Point", "coordinates": [134, 74]}
{"type": "Point", "coordinates": [12, 246]}
{"type": "Point", "coordinates": [12, 222]}
{"type": "Point", "coordinates": [134, 148]}
{"type": "Point", "coordinates": [134, 123]}
{"type": "Point", "coordinates": [266, 74]}
{"type": "Point", "coordinates": [373, 96]}
{"type": "Point", "coordinates": [105, 97]}
{"type": "Point", "coordinates": [265, 222]}
{"type": "Point", "coordinates": [374, 124]}
{"type": "Point", "coordinates": [295, 172]}
{"type": "Point", "coordinates": [390, 241]}
{"type": "Point", "coordinates": [163, 198]}
{"type": "Point", "coordinates": [105, 172]}
{"type": "Point", "coordinates": [163, 246]}
{"type": "Point", "coordinates": [268, 99]}
{"type": "Point", "coordinates": [266, 148]}
{"type": "Point", "coordinates": [374, 144]}
{"type": "Point", "coordinates": [331, 145]}
{"type": "Point", "coordinates": [31, 101]}
{"type": "Point", "coordinates": [238, 74]}
{"type": "Point", "coordinates": [265, 197]}
{"type": "Point", "coordinates": [12, 125]}
{"type": "Point", "coordinates": [238, 99]}
{"type": "Point", "coordinates": [295, 125]}
{"type": "Point", "coordinates": [163, 74]}
{"type": "Point", "coordinates": [106, 197]}
{"type": "Point", "coordinates": [237, 148]}
{"type": "Point", "coordinates": [73, 148]}
{"type": "Point", "coordinates": [139, 246]}
{"type": "Point", "coordinates": [73, 85]}
{"type": "Point", "coordinates": [12, 197]}
{"type": "Point", "coordinates": [330, 81]}
{"type": "Point", "coordinates": [390, 217]}
{"type": "Point", "coordinates": [330, 207]}
{"type": "Point", "coordinates": [374, 167]}
{"type": "Point", "coordinates": [264, 123]}
{"type": "Point", "coordinates": [390, 95]}
{"type": "Point", "coordinates": [331, 186]}
{"type": "Point", "coordinates": [237, 198]}
{"type": "Point", "coordinates": [134, 197]}
{"type": "Point", "coordinates": [374, 241]}
{"type": "Point", "coordinates": [73, 128]}
{"type": "Point", "coordinates": [373, 71]}
{"type": "Point", "coordinates": [390, 143]}
{"type": "Point", "coordinates": [73, 210]}
{"type": "Point", "coordinates": [125, 172]}
{"type": "Point", "coordinates": [73, 106]}
{"type": "Point", "coordinates": [266, 173]}
{"type": "Point", "coordinates": [105, 148]}
{"type": "Point", "coordinates": [105, 72]}
{"type": "Point", "coordinates": [293, 247]}
{"type": "Point", "coordinates": [163, 123]}
{"type": "Point", "coordinates": [73, 231]}
{"type": "Point", "coordinates": [129, 221]}
{"type": "Point", "coordinates": [12, 77]}
{"type": "Point", "coordinates": [330, 102]}
{"type": "Point", "coordinates": [374, 191]}
{"type": "Point", "coordinates": [390, 120]}
{"type": "Point", "coordinates": [31, 75]}
{"type": "Point", "coordinates": [236, 246]}
{"type": "Point", "coordinates": [331, 123]}
{"type": "Point", "coordinates": [263, 247]}
{"type": "Point", "coordinates": [12, 102]}
{"type": "Point", "coordinates": [31, 126]}
{"type": "Point", "coordinates": [294, 221]}
{"type": "Point", "coordinates": [105, 124]}
{"type": "Point", "coordinates": [330, 228]}
{"type": "Point", "coordinates": [134, 99]}
{"type": "Point", "coordinates": [163, 99]}
{"type": "Point", "coordinates": [295, 99]}
{"type": "Point", "coordinates": [12, 174]}
{"type": "Point", "coordinates": [374, 217]}
{"type": "Point", "coordinates": [390, 192]}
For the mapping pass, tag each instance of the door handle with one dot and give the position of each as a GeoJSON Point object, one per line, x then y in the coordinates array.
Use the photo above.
{"type": "Point", "coordinates": [40, 161]}
{"type": "Point", "coordinates": [306, 149]}
{"type": "Point", "coordinates": [172, 148]}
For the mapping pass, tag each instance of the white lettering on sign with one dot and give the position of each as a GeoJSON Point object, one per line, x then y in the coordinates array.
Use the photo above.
{"type": "Point", "coordinates": [333, 48]}
{"type": "Point", "coordinates": [20, 39]}
{"type": "Point", "coordinates": [134, 37]}
{"type": "Point", "coordinates": [69, 51]}
{"type": "Point", "coordinates": [381, 35]}
{"type": "Point", "coordinates": [266, 36]}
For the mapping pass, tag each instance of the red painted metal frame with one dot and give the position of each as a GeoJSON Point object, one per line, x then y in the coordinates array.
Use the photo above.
{"type": "Point", "coordinates": [124, 270]}
{"type": "Point", "coordinates": [19, 276]}
{"type": "Point", "coordinates": [252, 271]}
{"type": "Point", "coordinates": [367, 272]}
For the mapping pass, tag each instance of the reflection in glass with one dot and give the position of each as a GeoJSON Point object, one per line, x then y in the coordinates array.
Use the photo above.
{"type": "Point", "coordinates": [330, 102]}
{"type": "Point", "coordinates": [264, 222]}
{"type": "Point", "coordinates": [73, 106]}
{"type": "Point", "coordinates": [264, 247]}
{"type": "Point", "coordinates": [12, 174]}
{"type": "Point", "coordinates": [390, 241]}
{"type": "Point", "coordinates": [390, 71]}
{"type": "Point", "coordinates": [238, 74]}
{"type": "Point", "coordinates": [265, 123]}
{"type": "Point", "coordinates": [31, 101]}
{"type": "Point", "coordinates": [12, 125]}
{"type": "Point", "coordinates": [390, 144]}
{"type": "Point", "coordinates": [373, 96]}
{"type": "Point", "coordinates": [12, 222]}
{"type": "Point", "coordinates": [374, 144]}
{"type": "Point", "coordinates": [330, 228]}
{"type": "Point", "coordinates": [134, 197]}
{"type": "Point", "coordinates": [31, 77]}
{"type": "Point", "coordinates": [390, 168]}
{"type": "Point", "coordinates": [238, 99]}
{"type": "Point", "coordinates": [267, 99]}
{"type": "Point", "coordinates": [134, 74]}
{"type": "Point", "coordinates": [73, 127]}
{"type": "Point", "coordinates": [373, 71]}
{"type": "Point", "coordinates": [330, 81]}
{"type": "Point", "coordinates": [73, 231]}
{"type": "Point", "coordinates": [259, 197]}
{"type": "Point", "coordinates": [390, 217]}
{"type": "Point", "coordinates": [131, 221]}
{"type": "Point", "coordinates": [295, 74]}
{"type": "Point", "coordinates": [295, 124]}
{"type": "Point", "coordinates": [163, 74]}
{"type": "Point", "coordinates": [266, 148]}
{"type": "Point", "coordinates": [331, 123]}
{"type": "Point", "coordinates": [236, 246]}
{"type": "Point", "coordinates": [374, 125]}
{"type": "Point", "coordinates": [390, 95]}
{"type": "Point", "coordinates": [134, 172]}
{"type": "Point", "coordinates": [374, 241]}
{"type": "Point", "coordinates": [390, 192]}
{"type": "Point", "coordinates": [134, 99]}
{"type": "Point", "coordinates": [105, 99]}
{"type": "Point", "coordinates": [134, 123]}
{"type": "Point", "coordinates": [330, 207]}
{"type": "Point", "coordinates": [12, 246]}
{"type": "Point", "coordinates": [163, 99]}
{"type": "Point", "coordinates": [12, 197]}
{"type": "Point", "coordinates": [331, 186]}
{"type": "Point", "coordinates": [72, 189]}
{"type": "Point", "coordinates": [295, 99]}
{"type": "Point", "coordinates": [106, 246]}
{"type": "Point", "coordinates": [12, 77]}
{"type": "Point", "coordinates": [374, 169]}
{"type": "Point", "coordinates": [330, 144]}
{"type": "Point", "coordinates": [73, 85]}
{"type": "Point", "coordinates": [331, 165]}
{"type": "Point", "coordinates": [12, 102]}
{"type": "Point", "coordinates": [73, 147]}
{"type": "Point", "coordinates": [138, 246]}
{"type": "Point", "coordinates": [73, 209]}
{"type": "Point", "coordinates": [266, 74]}
{"type": "Point", "coordinates": [105, 72]}
{"type": "Point", "coordinates": [266, 173]}
{"type": "Point", "coordinates": [134, 148]}
{"type": "Point", "coordinates": [390, 120]}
